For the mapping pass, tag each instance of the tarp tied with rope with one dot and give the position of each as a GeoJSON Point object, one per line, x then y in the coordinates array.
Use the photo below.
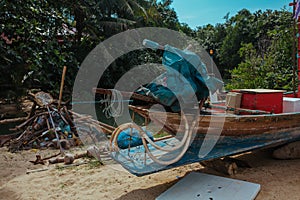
{"type": "Point", "coordinates": [185, 77]}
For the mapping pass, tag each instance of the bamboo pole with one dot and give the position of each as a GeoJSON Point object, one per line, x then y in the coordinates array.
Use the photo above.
{"type": "Point", "coordinates": [62, 86]}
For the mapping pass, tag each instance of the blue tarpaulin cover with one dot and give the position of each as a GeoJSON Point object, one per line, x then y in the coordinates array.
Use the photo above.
{"type": "Point", "coordinates": [185, 76]}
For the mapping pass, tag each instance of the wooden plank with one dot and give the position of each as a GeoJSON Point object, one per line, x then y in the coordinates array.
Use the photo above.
{"type": "Point", "coordinates": [125, 94]}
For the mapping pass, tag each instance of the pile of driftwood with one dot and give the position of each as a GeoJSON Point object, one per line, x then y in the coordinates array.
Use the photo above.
{"type": "Point", "coordinates": [46, 128]}
{"type": "Point", "coordinates": [49, 125]}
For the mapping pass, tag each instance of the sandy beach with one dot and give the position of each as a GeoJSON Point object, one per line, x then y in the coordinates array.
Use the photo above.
{"type": "Point", "coordinates": [279, 179]}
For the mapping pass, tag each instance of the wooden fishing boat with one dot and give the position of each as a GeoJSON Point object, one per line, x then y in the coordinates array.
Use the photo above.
{"type": "Point", "coordinates": [191, 134]}
{"type": "Point", "coordinates": [192, 138]}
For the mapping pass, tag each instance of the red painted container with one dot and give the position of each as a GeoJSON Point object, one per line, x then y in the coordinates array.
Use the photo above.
{"type": "Point", "coordinates": [262, 99]}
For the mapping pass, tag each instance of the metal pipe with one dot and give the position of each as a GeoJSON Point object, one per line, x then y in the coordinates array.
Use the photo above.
{"type": "Point", "coordinates": [54, 128]}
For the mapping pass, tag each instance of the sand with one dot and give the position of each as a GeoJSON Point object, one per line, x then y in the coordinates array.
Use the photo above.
{"type": "Point", "coordinates": [279, 179]}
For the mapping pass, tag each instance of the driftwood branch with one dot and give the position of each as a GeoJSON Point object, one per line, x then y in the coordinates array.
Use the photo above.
{"type": "Point", "coordinates": [81, 118]}
{"type": "Point", "coordinates": [36, 170]}
{"type": "Point", "coordinates": [14, 120]}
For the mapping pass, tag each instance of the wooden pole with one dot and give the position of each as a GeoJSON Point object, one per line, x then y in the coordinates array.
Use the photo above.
{"type": "Point", "coordinates": [294, 51]}
{"type": "Point", "coordinates": [62, 86]}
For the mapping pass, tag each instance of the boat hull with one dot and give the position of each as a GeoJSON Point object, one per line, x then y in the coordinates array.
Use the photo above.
{"type": "Point", "coordinates": [227, 124]}
{"type": "Point", "coordinates": [225, 146]}
{"type": "Point", "coordinates": [238, 134]}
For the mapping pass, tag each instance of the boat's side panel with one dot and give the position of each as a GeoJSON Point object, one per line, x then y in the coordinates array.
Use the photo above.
{"type": "Point", "coordinates": [234, 125]}
{"type": "Point", "coordinates": [226, 145]}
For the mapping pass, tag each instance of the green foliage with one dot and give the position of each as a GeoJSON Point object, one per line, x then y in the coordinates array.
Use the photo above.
{"type": "Point", "coordinates": [211, 38]}
{"type": "Point", "coordinates": [252, 50]}
{"type": "Point", "coordinates": [38, 38]}
{"type": "Point", "coordinates": [238, 31]}
{"type": "Point", "coordinates": [271, 69]}
{"type": "Point", "coordinates": [30, 51]}
{"type": "Point", "coordinates": [251, 72]}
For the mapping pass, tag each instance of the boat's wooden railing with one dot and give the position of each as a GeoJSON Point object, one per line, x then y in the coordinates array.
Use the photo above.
{"type": "Point", "coordinates": [151, 100]}
{"type": "Point", "coordinates": [240, 110]}
{"type": "Point", "coordinates": [125, 94]}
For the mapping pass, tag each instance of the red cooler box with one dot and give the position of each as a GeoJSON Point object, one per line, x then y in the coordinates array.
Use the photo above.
{"type": "Point", "coordinates": [262, 99]}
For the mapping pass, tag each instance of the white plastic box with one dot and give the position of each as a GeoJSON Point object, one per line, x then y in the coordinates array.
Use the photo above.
{"type": "Point", "coordinates": [291, 104]}
{"type": "Point", "coordinates": [233, 100]}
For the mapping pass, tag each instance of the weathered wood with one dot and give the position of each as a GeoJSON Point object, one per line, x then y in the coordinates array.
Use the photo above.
{"type": "Point", "coordinates": [257, 112]}
{"type": "Point", "coordinates": [36, 170]}
{"type": "Point", "coordinates": [24, 138]}
{"type": "Point", "coordinates": [56, 160]}
{"type": "Point", "coordinates": [105, 127]}
{"type": "Point", "coordinates": [70, 120]}
{"type": "Point", "coordinates": [33, 109]}
{"type": "Point", "coordinates": [61, 86]}
{"type": "Point", "coordinates": [69, 159]}
{"type": "Point", "coordinates": [223, 166]}
{"type": "Point", "coordinates": [38, 160]}
{"type": "Point", "coordinates": [126, 94]}
{"type": "Point", "coordinates": [233, 125]}
{"type": "Point", "coordinates": [13, 120]}
{"type": "Point", "coordinates": [64, 143]}
{"type": "Point", "coordinates": [6, 138]}
{"type": "Point", "coordinates": [30, 120]}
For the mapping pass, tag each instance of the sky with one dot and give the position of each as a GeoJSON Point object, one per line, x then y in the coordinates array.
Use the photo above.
{"type": "Point", "coordinates": [201, 12]}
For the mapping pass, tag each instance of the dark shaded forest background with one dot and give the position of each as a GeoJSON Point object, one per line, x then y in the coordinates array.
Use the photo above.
{"type": "Point", "coordinates": [38, 38]}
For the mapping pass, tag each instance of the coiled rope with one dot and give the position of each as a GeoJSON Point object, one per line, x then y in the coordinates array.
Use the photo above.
{"type": "Point", "coordinates": [113, 104]}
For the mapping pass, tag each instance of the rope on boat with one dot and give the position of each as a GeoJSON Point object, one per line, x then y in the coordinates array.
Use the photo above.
{"type": "Point", "coordinates": [186, 144]}
{"type": "Point", "coordinates": [113, 104]}
{"type": "Point", "coordinates": [145, 138]}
